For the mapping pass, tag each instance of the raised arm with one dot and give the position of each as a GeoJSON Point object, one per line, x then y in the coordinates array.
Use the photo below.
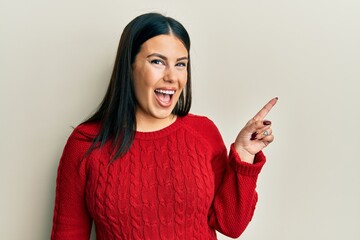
{"type": "Point", "coordinates": [256, 135]}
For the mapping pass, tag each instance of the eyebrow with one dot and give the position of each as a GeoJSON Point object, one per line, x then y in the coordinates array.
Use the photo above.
{"type": "Point", "coordinates": [165, 58]}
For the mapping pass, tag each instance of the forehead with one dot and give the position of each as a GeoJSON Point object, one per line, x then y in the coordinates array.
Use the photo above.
{"type": "Point", "coordinates": [168, 45]}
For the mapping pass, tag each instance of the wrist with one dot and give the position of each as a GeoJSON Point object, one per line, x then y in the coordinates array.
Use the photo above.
{"type": "Point", "coordinates": [244, 155]}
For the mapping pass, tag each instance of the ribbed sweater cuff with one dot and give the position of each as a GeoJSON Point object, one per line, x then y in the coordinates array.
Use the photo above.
{"type": "Point", "coordinates": [244, 168]}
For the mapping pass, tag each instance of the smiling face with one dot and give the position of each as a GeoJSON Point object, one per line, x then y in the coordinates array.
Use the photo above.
{"type": "Point", "coordinates": [159, 75]}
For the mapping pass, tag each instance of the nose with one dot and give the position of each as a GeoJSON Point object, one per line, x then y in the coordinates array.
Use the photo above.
{"type": "Point", "coordinates": [170, 74]}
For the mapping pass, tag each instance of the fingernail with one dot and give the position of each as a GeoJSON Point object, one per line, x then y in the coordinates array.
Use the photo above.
{"type": "Point", "coordinates": [266, 122]}
{"type": "Point", "coordinates": [253, 136]}
{"type": "Point", "coordinates": [277, 98]}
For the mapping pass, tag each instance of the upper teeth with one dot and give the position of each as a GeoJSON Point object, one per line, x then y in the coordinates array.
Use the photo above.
{"type": "Point", "coordinates": [170, 92]}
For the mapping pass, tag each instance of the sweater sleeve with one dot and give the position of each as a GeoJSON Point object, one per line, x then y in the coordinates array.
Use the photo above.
{"type": "Point", "coordinates": [71, 220]}
{"type": "Point", "coordinates": [235, 195]}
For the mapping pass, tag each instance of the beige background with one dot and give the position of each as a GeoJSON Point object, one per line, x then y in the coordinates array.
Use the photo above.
{"type": "Point", "coordinates": [56, 58]}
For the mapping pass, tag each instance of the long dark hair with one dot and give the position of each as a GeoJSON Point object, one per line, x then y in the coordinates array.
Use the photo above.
{"type": "Point", "coordinates": [116, 113]}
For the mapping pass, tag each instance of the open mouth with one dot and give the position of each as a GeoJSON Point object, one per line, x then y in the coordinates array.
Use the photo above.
{"type": "Point", "coordinates": [164, 96]}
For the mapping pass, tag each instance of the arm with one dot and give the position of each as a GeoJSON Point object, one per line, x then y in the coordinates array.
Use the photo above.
{"type": "Point", "coordinates": [235, 198]}
{"type": "Point", "coordinates": [71, 219]}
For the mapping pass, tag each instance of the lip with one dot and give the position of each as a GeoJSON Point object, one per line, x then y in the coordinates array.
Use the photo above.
{"type": "Point", "coordinates": [166, 88]}
{"type": "Point", "coordinates": [163, 103]}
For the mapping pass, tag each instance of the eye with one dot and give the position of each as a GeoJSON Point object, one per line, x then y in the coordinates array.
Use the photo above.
{"type": "Point", "coordinates": [181, 64]}
{"type": "Point", "coordinates": [157, 62]}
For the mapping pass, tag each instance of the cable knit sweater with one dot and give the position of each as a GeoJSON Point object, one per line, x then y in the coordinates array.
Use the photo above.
{"type": "Point", "coordinates": [175, 183]}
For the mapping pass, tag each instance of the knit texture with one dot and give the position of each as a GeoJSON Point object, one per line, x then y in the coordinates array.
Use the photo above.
{"type": "Point", "coordinates": [175, 183]}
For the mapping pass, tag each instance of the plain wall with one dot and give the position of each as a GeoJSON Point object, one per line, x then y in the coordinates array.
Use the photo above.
{"type": "Point", "coordinates": [56, 59]}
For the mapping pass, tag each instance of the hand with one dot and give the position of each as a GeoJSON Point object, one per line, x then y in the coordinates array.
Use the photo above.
{"type": "Point", "coordinates": [256, 134]}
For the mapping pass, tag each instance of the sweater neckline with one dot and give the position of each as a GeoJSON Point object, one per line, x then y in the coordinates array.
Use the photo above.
{"type": "Point", "coordinates": [161, 132]}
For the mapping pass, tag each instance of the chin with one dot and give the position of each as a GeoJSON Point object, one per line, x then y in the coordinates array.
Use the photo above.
{"type": "Point", "coordinates": [162, 114]}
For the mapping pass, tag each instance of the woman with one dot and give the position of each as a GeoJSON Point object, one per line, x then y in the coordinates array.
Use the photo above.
{"type": "Point", "coordinates": [142, 167]}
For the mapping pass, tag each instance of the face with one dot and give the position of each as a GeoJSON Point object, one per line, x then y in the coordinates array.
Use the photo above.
{"type": "Point", "coordinates": [159, 75]}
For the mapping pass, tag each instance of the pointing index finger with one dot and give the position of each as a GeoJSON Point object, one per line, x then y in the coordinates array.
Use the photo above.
{"type": "Point", "coordinates": [265, 110]}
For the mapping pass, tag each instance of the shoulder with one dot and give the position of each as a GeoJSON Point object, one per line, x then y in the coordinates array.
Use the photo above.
{"type": "Point", "coordinates": [85, 132]}
{"type": "Point", "coordinates": [199, 122]}
{"type": "Point", "coordinates": [73, 161]}
{"type": "Point", "coordinates": [81, 139]}
{"type": "Point", "coordinates": [203, 127]}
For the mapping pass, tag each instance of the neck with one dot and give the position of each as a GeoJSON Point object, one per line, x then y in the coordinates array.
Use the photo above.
{"type": "Point", "coordinates": [153, 124]}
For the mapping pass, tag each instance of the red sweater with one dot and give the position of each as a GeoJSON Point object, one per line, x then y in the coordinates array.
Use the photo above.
{"type": "Point", "coordinates": [175, 183]}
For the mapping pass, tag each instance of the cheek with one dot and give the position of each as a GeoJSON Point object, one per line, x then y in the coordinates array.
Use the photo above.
{"type": "Point", "coordinates": [141, 80]}
{"type": "Point", "coordinates": [183, 80]}
{"type": "Point", "coordinates": [139, 87]}
{"type": "Point", "coordinates": [136, 83]}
